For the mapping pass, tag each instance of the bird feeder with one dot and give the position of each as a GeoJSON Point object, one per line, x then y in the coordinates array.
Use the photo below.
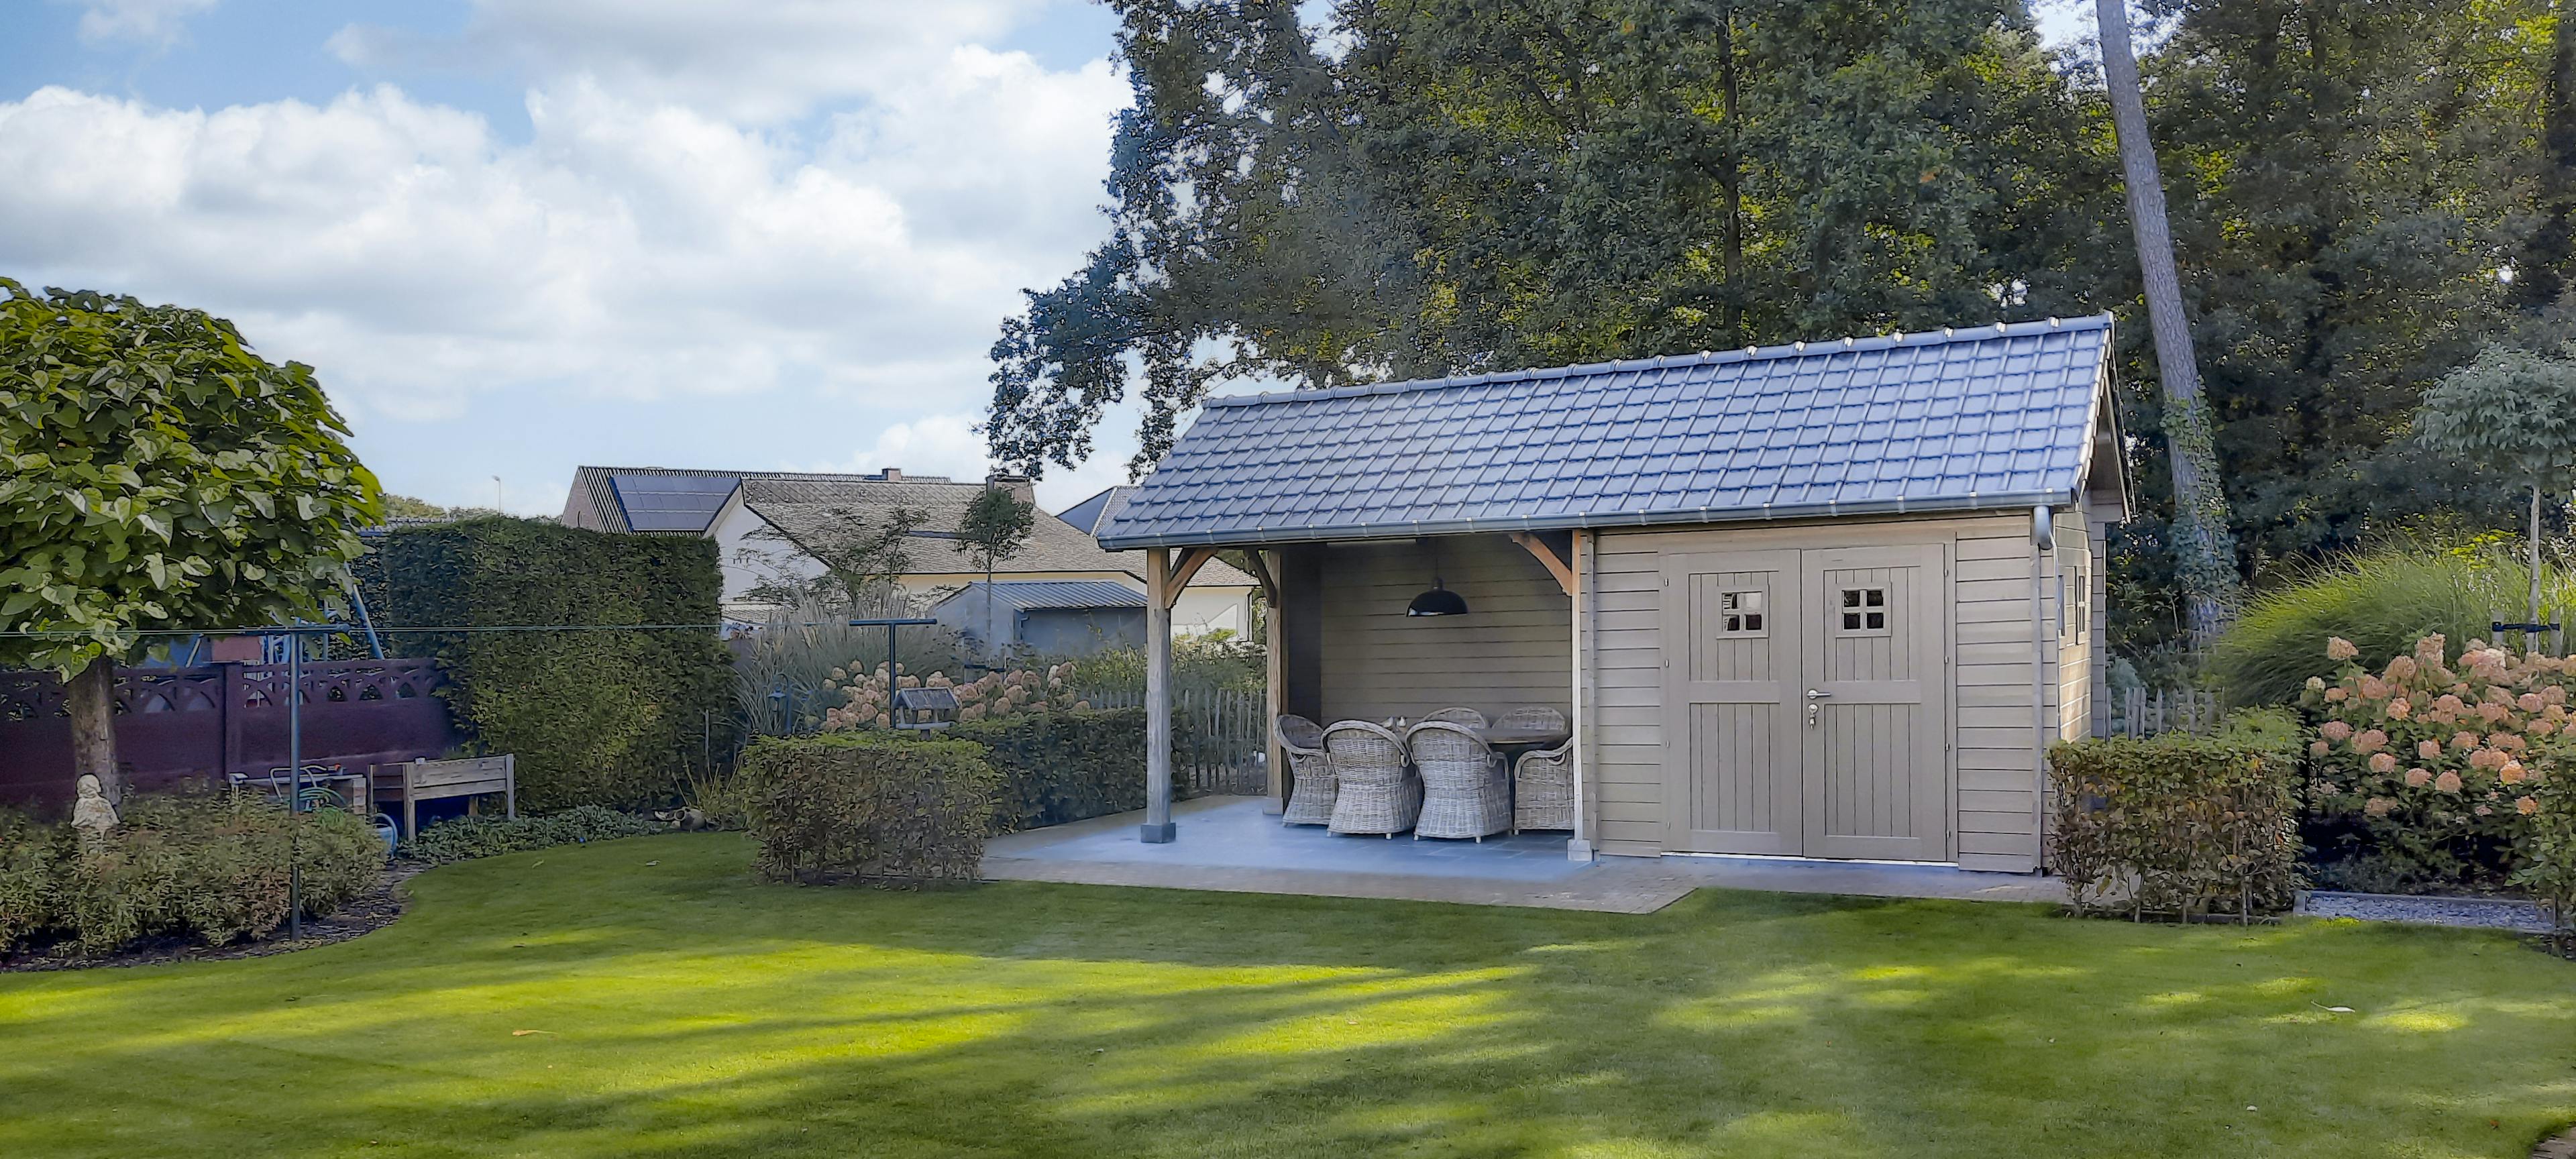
{"type": "Point", "coordinates": [924, 709]}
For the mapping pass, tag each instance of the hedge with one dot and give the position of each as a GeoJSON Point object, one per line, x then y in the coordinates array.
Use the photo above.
{"type": "Point", "coordinates": [1062, 766]}
{"type": "Point", "coordinates": [595, 717]}
{"type": "Point", "coordinates": [2180, 825]}
{"type": "Point", "coordinates": [211, 865]}
{"type": "Point", "coordinates": [867, 806]}
{"type": "Point", "coordinates": [466, 838]}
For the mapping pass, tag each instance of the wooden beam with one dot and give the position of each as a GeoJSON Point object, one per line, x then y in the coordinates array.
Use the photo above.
{"type": "Point", "coordinates": [1159, 589]}
{"type": "Point", "coordinates": [1556, 565]}
{"type": "Point", "coordinates": [1260, 561]}
{"type": "Point", "coordinates": [1192, 559]}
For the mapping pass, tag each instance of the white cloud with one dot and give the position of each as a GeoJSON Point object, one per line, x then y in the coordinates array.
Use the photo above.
{"type": "Point", "coordinates": [628, 249]}
{"type": "Point", "coordinates": [151, 21]}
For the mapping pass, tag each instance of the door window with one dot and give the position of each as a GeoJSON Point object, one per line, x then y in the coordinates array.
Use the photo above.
{"type": "Point", "coordinates": [1861, 612]}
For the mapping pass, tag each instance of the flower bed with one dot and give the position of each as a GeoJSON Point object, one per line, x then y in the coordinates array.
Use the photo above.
{"type": "Point", "coordinates": [2429, 772]}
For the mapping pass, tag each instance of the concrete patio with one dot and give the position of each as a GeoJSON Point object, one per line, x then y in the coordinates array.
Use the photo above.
{"type": "Point", "coordinates": [1231, 844]}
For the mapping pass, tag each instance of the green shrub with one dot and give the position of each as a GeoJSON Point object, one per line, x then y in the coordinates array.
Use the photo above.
{"type": "Point", "coordinates": [597, 717]}
{"type": "Point", "coordinates": [2549, 851]}
{"type": "Point", "coordinates": [210, 865]}
{"type": "Point", "coordinates": [868, 806]}
{"type": "Point", "coordinates": [1056, 767]}
{"type": "Point", "coordinates": [2180, 825]}
{"type": "Point", "coordinates": [2383, 602]}
{"type": "Point", "coordinates": [466, 838]}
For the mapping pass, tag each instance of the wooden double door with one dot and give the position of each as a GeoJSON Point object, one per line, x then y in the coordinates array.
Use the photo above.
{"type": "Point", "coordinates": [1806, 702]}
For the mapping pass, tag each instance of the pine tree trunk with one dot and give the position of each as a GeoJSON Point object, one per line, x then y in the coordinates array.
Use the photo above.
{"type": "Point", "coordinates": [2206, 551]}
{"type": "Point", "coordinates": [91, 699]}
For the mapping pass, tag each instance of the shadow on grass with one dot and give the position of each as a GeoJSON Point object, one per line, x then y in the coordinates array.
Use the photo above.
{"type": "Point", "coordinates": [681, 1009]}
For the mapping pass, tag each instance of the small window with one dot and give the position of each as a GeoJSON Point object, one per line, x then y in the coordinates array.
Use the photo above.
{"type": "Point", "coordinates": [1863, 612]}
{"type": "Point", "coordinates": [1742, 612]}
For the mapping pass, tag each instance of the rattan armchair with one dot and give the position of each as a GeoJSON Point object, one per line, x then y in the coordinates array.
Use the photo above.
{"type": "Point", "coordinates": [1375, 793]}
{"type": "Point", "coordinates": [1534, 718]}
{"type": "Point", "coordinates": [1466, 716]}
{"type": "Point", "coordinates": [1543, 789]}
{"type": "Point", "coordinates": [1311, 785]}
{"type": "Point", "coordinates": [1465, 792]}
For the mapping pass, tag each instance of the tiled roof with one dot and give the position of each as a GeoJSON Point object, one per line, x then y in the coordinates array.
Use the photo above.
{"type": "Point", "coordinates": [1997, 416]}
{"type": "Point", "coordinates": [1025, 595]}
{"type": "Point", "coordinates": [595, 501]}
{"type": "Point", "coordinates": [1087, 514]}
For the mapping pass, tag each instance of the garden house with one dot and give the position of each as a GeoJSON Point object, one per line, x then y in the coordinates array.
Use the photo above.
{"type": "Point", "coordinates": [1830, 599]}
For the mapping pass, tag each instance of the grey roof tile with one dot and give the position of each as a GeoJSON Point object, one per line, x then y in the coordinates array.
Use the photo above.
{"type": "Point", "coordinates": [1988, 416]}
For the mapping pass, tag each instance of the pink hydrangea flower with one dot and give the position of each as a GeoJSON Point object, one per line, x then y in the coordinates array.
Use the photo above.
{"type": "Point", "coordinates": [2417, 778]}
{"type": "Point", "coordinates": [2378, 806]}
{"type": "Point", "coordinates": [2431, 649]}
{"type": "Point", "coordinates": [2318, 748]}
{"type": "Point", "coordinates": [2370, 741]}
{"type": "Point", "coordinates": [2399, 709]}
{"type": "Point", "coordinates": [2383, 763]}
{"type": "Point", "coordinates": [2337, 695]}
{"type": "Point", "coordinates": [2526, 806]}
{"type": "Point", "coordinates": [2464, 740]}
{"type": "Point", "coordinates": [2449, 704]}
{"type": "Point", "coordinates": [2483, 811]}
{"type": "Point", "coordinates": [2511, 772]}
{"type": "Point", "coordinates": [2401, 669]}
{"type": "Point", "coordinates": [2336, 730]}
{"type": "Point", "coordinates": [2374, 688]}
{"type": "Point", "coordinates": [2487, 759]}
{"type": "Point", "coordinates": [2338, 648]}
{"type": "Point", "coordinates": [2528, 702]}
{"type": "Point", "coordinates": [2448, 782]}
{"type": "Point", "coordinates": [2429, 750]}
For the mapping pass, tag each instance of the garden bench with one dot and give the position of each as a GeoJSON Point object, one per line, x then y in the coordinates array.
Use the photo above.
{"type": "Point", "coordinates": [412, 782]}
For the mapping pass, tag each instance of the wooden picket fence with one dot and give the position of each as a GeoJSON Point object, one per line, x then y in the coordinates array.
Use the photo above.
{"type": "Point", "coordinates": [2142, 712]}
{"type": "Point", "coordinates": [1220, 738]}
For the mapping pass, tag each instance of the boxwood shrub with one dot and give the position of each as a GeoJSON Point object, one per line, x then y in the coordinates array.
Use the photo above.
{"type": "Point", "coordinates": [868, 806]}
{"type": "Point", "coordinates": [595, 718]}
{"type": "Point", "coordinates": [465, 838]}
{"type": "Point", "coordinates": [211, 865]}
{"type": "Point", "coordinates": [2180, 825]}
{"type": "Point", "coordinates": [1056, 767]}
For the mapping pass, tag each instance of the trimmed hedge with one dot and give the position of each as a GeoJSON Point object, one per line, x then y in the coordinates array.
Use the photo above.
{"type": "Point", "coordinates": [1056, 767]}
{"type": "Point", "coordinates": [2180, 825]}
{"type": "Point", "coordinates": [595, 718]}
{"type": "Point", "coordinates": [466, 838]}
{"type": "Point", "coordinates": [868, 806]}
{"type": "Point", "coordinates": [210, 865]}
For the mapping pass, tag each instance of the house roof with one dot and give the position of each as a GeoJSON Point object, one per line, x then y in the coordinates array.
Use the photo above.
{"type": "Point", "coordinates": [1034, 595]}
{"type": "Point", "coordinates": [811, 510]}
{"type": "Point", "coordinates": [1992, 417]}
{"type": "Point", "coordinates": [1087, 514]}
{"type": "Point", "coordinates": [671, 500]}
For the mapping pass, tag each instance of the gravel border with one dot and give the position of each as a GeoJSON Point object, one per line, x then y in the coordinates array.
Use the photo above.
{"type": "Point", "coordinates": [2468, 912]}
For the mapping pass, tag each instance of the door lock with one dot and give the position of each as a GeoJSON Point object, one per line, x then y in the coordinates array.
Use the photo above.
{"type": "Point", "coordinates": [1815, 711]}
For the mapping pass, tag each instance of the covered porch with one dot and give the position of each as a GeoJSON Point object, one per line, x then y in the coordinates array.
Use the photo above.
{"type": "Point", "coordinates": [1346, 641]}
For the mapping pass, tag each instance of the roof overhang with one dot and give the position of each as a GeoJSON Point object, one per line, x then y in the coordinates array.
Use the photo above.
{"type": "Point", "coordinates": [1312, 533]}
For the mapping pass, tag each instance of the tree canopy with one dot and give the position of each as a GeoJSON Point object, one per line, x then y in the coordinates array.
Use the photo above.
{"type": "Point", "coordinates": [160, 476]}
{"type": "Point", "coordinates": [2362, 196]}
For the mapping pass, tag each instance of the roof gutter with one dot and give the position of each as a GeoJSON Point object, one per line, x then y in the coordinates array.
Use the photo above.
{"type": "Point", "coordinates": [1290, 533]}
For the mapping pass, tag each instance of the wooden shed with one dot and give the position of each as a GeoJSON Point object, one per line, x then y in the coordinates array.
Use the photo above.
{"type": "Point", "coordinates": [1830, 599]}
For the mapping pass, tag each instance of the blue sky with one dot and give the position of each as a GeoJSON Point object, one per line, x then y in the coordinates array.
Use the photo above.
{"type": "Point", "coordinates": [516, 236]}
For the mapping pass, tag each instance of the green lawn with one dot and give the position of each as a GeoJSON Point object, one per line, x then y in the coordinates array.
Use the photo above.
{"type": "Point", "coordinates": [680, 1009]}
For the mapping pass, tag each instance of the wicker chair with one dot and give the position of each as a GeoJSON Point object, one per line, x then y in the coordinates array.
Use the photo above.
{"type": "Point", "coordinates": [1543, 789]}
{"type": "Point", "coordinates": [1535, 718]}
{"type": "Point", "coordinates": [1465, 792]}
{"type": "Point", "coordinates": [1375, 793]}
{"type": "Point", "coordinates": [1466, 716]}
{"type": "Point", "coordinates": [1312, 786]}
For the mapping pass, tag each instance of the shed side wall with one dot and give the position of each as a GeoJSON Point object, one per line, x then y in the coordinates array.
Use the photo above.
{"type": "Point", "coordinates": [1511, 649]}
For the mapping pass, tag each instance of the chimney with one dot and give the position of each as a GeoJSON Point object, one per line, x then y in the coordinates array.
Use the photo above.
{"type": "Point", "coordinates": [891, 474]}
{"type": "Point", "coordinates": [1020, 485]}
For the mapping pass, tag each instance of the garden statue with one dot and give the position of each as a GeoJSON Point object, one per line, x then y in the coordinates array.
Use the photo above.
{"type": "Point", "coordinates": [93, 813]}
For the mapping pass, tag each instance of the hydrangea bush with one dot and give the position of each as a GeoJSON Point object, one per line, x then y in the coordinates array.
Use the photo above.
{"type": "Point", "coordinates": [868, 699]}
{"type": "Point", "coordinates": [2434, 764]}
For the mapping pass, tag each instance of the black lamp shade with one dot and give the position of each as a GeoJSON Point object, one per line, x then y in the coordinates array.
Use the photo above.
{"type": "Point", "coordinates": [1439, 601]}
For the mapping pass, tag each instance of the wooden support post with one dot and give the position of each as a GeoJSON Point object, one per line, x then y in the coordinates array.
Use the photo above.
{"type": "Point", "coordinates": [1159, 591]}
{"type": "Point", "coordinates": [1580, 846]}
{"type": "Point", "coordinates": [1275, 702]}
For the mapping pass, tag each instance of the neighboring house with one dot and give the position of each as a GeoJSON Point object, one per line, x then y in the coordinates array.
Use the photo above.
{"type": "Point", "coordinates": [1088, 513]}
{"type": "Point", "coordinates": [1046, 617]}
{"type": "Point", "coordinates": [1831, 599]}
{"type": "Point", "coordinates": [782, 516]}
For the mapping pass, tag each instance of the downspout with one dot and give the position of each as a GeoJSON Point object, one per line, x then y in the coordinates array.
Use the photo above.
{"type": "Point", "coordinates": [2043, 540]}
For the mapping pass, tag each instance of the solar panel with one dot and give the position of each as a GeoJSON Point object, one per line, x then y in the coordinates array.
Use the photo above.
{"type": "Point", "coordinates": [671, 502]}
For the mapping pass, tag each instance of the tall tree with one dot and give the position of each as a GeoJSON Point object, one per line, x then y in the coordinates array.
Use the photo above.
{"type": "Point", "coordinates": [159, 476]}
{"type": "Point", "coordinates": [2513, 412]}
{"type": "Point", "coordinates": [2205, 549]}
{"type": "Point", "coordinates": [1483, 184]}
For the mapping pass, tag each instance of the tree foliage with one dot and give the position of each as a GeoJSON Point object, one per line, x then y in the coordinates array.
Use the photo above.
{"type": "Point", "coordinates": [996, 524]}
{"type": "Point", "coordinates": [1481, 184]}
{"type": "Point", "coordinates": [2511, 411]}
{"type": "Point", "coordinates": [160, 475]}
{"type": "Point", "coordinates": [851, 559]}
